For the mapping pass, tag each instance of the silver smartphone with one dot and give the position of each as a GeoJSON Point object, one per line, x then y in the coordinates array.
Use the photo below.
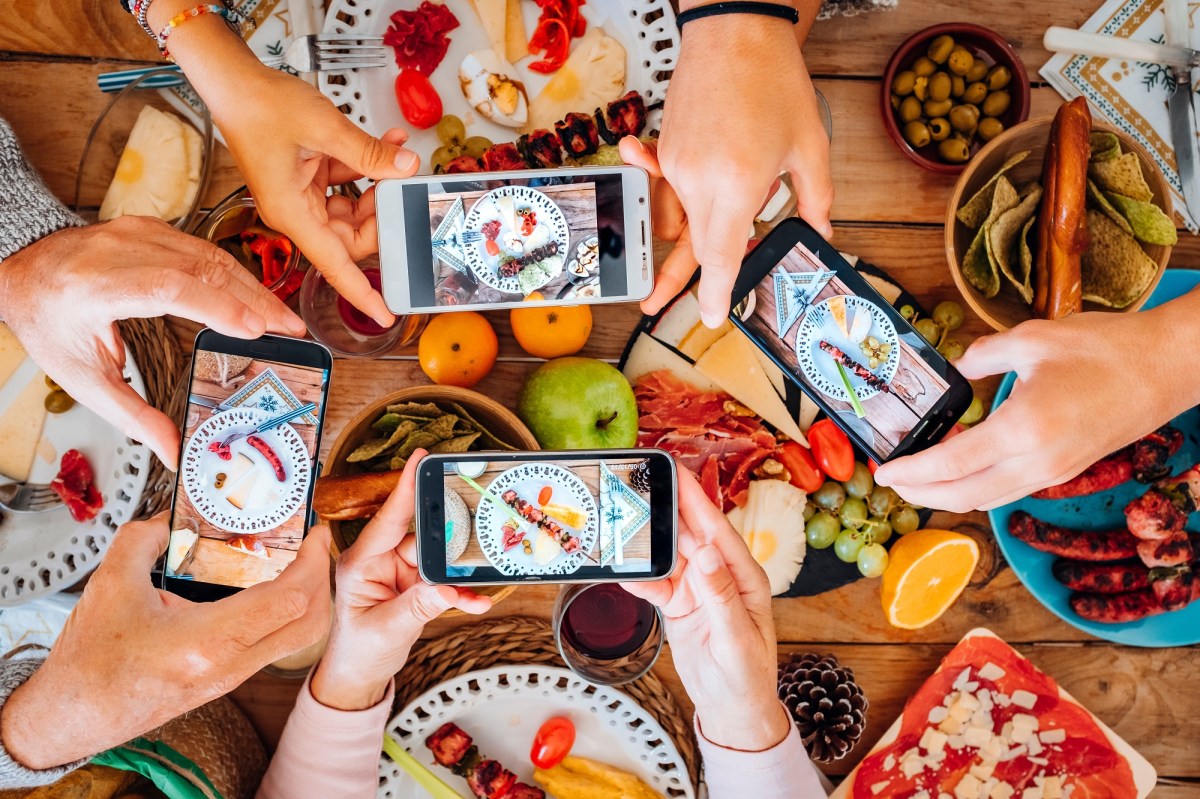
{"type": "Point", "coordinates": [503, 239]}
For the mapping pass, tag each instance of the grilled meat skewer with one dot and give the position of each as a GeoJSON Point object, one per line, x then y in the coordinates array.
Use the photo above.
{"type": "Point", "coordinates": [870, 378]}
{"type": "Point", "coordinates": [526, 510]}
{"type": "Point", "coordinates": [453, 748]}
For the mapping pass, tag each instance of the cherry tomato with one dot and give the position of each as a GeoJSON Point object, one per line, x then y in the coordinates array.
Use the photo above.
{"type": "Point", "coordinates": [553, 742]}
{"type": "Point", "coordinates": [831, 449]}
{"type": "Point", "coordinates": [545, 494]}
{"type": "Point", "coordinates": [872, 466]}
{"type": "Point", "coordinates": [418, 100]}
{"type": "Point", "coordinates": [800, 465]}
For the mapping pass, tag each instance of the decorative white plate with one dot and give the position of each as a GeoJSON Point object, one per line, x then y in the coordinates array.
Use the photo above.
{"type": "Point", "coordinates": [47, 552]}
{"type": "Point", "coordinates": [527, 480]}
{"type": "Point", "coordinates": [551, 226]}
{"type": "Point", "coordinates": [501, 708]}
{"type": "Point", "coordinates": [645, 28]}
{"type": "Point", "coordinates": [270, 502]}
{"type": "Point", "coordinates": [821, 369]}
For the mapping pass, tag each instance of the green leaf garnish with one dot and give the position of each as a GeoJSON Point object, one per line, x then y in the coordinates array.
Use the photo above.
{"type": "Point", "coordinates": [854, 403]}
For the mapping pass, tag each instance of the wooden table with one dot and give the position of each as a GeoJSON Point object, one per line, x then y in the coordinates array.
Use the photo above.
{"type": "Point", "coordinates": [887, 211]}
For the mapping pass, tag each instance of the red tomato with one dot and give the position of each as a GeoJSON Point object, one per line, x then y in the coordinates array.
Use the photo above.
{"type": "Point", "coordinates": [545, 494]}
{"type": "Point", "coordinates": [553, 742]}
{"type": "Point", "coordinates": [800, 465]}
{"type": "Point", "coordinates": [831, 449]}
{"type": "Point", "coordinates": [872, 466]}
{"type": "Point", "coordinates": [419, 101]}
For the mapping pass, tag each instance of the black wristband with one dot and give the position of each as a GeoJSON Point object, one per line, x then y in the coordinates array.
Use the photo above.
{"type": "Point", "coordinates": [739, 7]}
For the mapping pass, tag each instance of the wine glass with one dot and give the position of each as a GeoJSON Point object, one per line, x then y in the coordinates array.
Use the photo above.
{"type": "Point", "coordinates": [605, 634]}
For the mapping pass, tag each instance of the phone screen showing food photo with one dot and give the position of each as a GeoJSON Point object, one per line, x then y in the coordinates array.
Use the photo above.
{"type": "Point", "coordinates": [242, 494]}
{"type": "Point", "coordinates": [847, 346]}
{"type": "Point", "coordinates": [500, 517]}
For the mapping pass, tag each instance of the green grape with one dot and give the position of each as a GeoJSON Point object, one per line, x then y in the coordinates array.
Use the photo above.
{"type": "Point", "coordinates": [882, 500]}
{"type": "Point", "coordinates": [861, 482]}
{"type": "Point", "coordinates": [830, 496]}
{"type": "Point", "coordinates": [451, 130]}
{"type": "Point", "coordinates": [872, 560]}
{"type": "Point", "coordinates": [810, 510]}
{"type": "Point", "coordinates": [904, 520]}
{"type": "Point", "coordinates": [442, 156]}
{"type": "Point", "coordinates": [880, 529]}
{"type": "Point", "coordinates": [853, 512]}
{"type": "Point", "coordinates": [847, 545]}
{"type": "Point", "coordinates": [928, 329]}
{"type": "Point", "coordinates": [822, 530]}
{"type": "Point", "coordinates": [949, 314]}
{"type": "Point", "coordinates": [475, 146]}
{"type": "Point", "coordinates": [908, 312]}
{"type": "Point", "coordinates": [974, 412]}
{"type": "Point", "coordinates": [952, 349]}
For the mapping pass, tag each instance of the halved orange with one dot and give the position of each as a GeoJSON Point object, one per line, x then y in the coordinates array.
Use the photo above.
{"type": "Point", "coordinates": [926, 572]}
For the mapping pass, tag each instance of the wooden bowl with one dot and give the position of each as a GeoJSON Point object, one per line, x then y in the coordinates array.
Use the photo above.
{"type": "Point", "coordinates": [986, 44]}
{"type": "Point", "coordinates": [1006, 309]}
{"type": "Point", "coordinates": [500, 421]}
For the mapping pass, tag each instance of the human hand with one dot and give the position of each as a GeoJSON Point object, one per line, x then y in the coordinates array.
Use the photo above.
{"type": "Point", "coordinates": [132, 657]}
{"type": "Point", "coordinates": [717, 609]}
{"type": "Point", "coordinates": [382, 605]}
{"type": "Point", "coordinates": [1085, 389]}
{"type": "Point", "coordinates": [740, 110]}
{"type": "Point", "coordinates": [62, 296]}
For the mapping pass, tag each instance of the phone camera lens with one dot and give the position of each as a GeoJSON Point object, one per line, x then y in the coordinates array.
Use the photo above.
{"type": "Point", "coordinates": [641, 200]}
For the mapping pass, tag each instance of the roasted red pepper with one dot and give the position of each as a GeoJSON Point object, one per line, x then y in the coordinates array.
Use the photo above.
{"type": "Point", "coordinates": [273, 252]}
{"type": "Point", "coordinates": [559, 22]}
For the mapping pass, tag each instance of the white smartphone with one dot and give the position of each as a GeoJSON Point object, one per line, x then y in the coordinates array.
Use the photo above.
{"type": "Point", "coordinates": [501, 239]}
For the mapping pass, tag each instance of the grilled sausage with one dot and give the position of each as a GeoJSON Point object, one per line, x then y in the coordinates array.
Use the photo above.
{"type": "Point", "coordinates": [1089, 545]}
{"type": "Point", "coordinates": [353, 496]}
{"type": "Point", "coordinates": [1115, 577]}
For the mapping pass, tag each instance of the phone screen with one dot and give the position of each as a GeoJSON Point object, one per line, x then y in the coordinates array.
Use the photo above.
{"type": "Point", "coordinates": [482, 242]}
{"type": "Point", "coordinates": [241, 497]}
{"type": "Point", "coordinates": [814, 317]}
{"type": "Point", "coordinates": [547, 518]}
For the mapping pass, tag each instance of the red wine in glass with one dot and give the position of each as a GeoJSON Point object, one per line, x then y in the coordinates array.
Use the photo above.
{"type": "Point", "coordinates": [605, 622]}
{"type": "Point", "coordinates": [355, 319]}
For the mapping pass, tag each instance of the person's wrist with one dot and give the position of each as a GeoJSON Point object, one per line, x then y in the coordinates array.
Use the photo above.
{"type": "Point", "coordinates": [688, 5]}
{"type": "Point", "coordinates": [749, 728]}
{"type": "Point", "coordinates": [340, 689]}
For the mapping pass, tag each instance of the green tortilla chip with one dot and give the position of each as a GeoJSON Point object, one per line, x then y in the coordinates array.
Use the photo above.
{"type": "Point", "coordinates": [442, 427]}
{"type": "Point", "coordinates": [376, 447]}
{"type": "Point", "coordinates": [458, 444]}
{"type": "Point", "coordinates": [976, 209]}
{"type": "Point", "coordinates": [1025, 254]}
{"type": "Point", "coordinates": [1101, 203]}
{"type": "Point", "coordinates": [1105, 146]}
{"type": "Point", "coordinates": [1028, 188]}
{"type": "Point", "coordinates": [1115, 269]}
{"type": "Point", "coordinates": [423, 410]}
{"type": "Point", "coordinates": [420, 439]}
{"type": "Point", "coordinates": [1121, 175]}
{"type": "Point", "coordinates": [1147, 220]}
{"type": "Point", "coordinates": [1002, 241]}
{"type": "Point", "coordinates": [979, 265]}
{"type": "Point", "coordinates": [488, 440]}
{"type": "Point", "coordinates": [385, 424]}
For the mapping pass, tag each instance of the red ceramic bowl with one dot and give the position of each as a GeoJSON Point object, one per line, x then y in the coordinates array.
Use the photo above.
{"type": "Point", "coordinates": [986, 44]}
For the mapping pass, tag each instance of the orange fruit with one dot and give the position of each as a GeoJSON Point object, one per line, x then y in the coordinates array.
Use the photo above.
{"type": "Point", "coordinates": [551, 332]}
{"type": "Point", "coordinates": [926, 572]}
{"type": "Point", "coordinates": [457, 349]}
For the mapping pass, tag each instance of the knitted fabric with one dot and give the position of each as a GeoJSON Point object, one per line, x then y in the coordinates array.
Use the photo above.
{"type": "Point", "coordinates": [28, 211]}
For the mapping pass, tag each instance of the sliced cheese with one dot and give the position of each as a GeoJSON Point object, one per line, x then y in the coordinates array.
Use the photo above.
{"type": "Point", "coordinates": [21, 425]}
{"type": "Point", "coordinates": [697, 340]}
{"type": "Point", "coordinates": [159, 171]}
{"type": "Point", "coordinates": [773, 373]}
{"type": "Point", "coordinates": [545, 549]}
{"type": "Point", "coordinates": [732, 365]}
{"type": "Point", "coordinates": [808, 412]}
{"type": "Point", "coordinates": [493, 17]}
{"type": "Point", "coordinates": [238, 468]}
{"type": "Point", "coordinates": [649, 355]}
{"type": "Point", "coordinates": [516, 43]}
{"type": "Point", "coordinates": [240, 495]}
{"type": "Point", "coordinates": [678, 320]}
{"type": "Point", "coordinates": [837, 307]}
{"type": "Point", "coordinates": [182, 541]}
{"type": "Point", "coordinates": [11, 354]}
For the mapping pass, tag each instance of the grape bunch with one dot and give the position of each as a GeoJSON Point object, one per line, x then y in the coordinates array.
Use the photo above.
{"type": "Point", "coordinates": [936, 329]}
{"type": "Point", "coordinates": [452, 133]}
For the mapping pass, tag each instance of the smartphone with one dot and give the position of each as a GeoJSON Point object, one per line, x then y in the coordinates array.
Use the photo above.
{"type": "Point", "coordinates": [502, 239]}
{"type": "Point", "coordinates": [803, 304]}
{"type": "Point", "coordinates": [554, 517]}
{"type": "Point", "coordinates": [242, 494]}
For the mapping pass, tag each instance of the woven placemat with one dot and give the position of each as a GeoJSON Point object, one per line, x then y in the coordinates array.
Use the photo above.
{"type": "Point", "coordinates": [520, 639]}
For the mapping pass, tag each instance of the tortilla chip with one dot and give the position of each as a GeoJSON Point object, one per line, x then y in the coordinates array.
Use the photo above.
{"type": "Point", "coordinates": [376, 447]}
{"type": "Point", "coordinates": [976, 209]}
{"type": "Point", "coordinates": [1147, 220]}
{"type": "Point", "coordinates": [1025, 255]}
{"type": "Point", "coordinates": [442, 427]}
{"type": "Point", "coordinates": [422, 439]}
{"type": "Point", "coordinates": [490, 441]}
{"type": "Point", "coordinates": [1097, 199]}
{"type": "Point", "coordinates": [1002, 241]}
{"type": "Point", "coordinates": [1121, 175]}
{"type": "Point", "coordinates": [1028, 188]}
{"type": "Point", "coordinates": [1105, 146]}
{"type": "Point", "coordinates": [457, 444]}
{"type": "Point", "coordinates": [979, 265]}
{"type": "Point", "coordinates": [385, 424]}
{"type": "Point", "coordinates": [424, 410]}
{"type": "Point", "coordinates": [1115, 269]}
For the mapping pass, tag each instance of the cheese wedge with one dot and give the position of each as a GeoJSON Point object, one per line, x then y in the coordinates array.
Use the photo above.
{"type": "Point", "coordinates": [890, 292]}
{"type": "Point", "coordinates": [592, 77]}
{"type": "Point", "coordinates": [240, 495]}
{"type": "Point", "coordinates": [571, 517]}
{"type": "Point", "coordinates": [545, 549]}
{"type": "Point", "coordinates": [237, 470]}
{"type": "Point", "coordinates": [11, 354]}
{"type": "Point", "coordinates": [837, 307]}
{"type": "Point", "coordinates": [516, 43]}
{"type": "Point", "coordinates": [493, 16]}
{"type": "Point", "coordinates": [731, 363]}
{"type": "Point", "coordinates": [182, 541]}
{"type": "Point", "coordinates": [21, 429]}
{"type": "Point", "coordinates": [773, 372]}
{"type": "Point", "coordinates": [700, 338]}
{"type": "Point", "coordinates": [678, 320]}
{"type": "Point", "coordinates": [159, 171]}
{"type": "Point", "coordinates": [649, 355]}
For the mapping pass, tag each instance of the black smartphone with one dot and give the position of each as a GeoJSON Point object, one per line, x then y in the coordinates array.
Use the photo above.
{"type": "Point", "coordinates": [845, 346]}
{"type": "Point", "coordinates": [517, 517]}
{"type": "Point", "coordinates": [247, 462]}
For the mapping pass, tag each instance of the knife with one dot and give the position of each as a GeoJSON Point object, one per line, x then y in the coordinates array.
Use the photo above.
{"type": "Point", "coordinates": [1069, 40]}
{"type": "Point", "coordinates": [1179, 107]}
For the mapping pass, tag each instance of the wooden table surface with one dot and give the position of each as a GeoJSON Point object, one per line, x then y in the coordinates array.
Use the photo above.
{"type": "Point", "coordinates": [887, 211]}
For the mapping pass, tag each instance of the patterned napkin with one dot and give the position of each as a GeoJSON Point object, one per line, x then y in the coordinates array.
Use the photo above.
{"type": "Point", "coordinates": [622, 513]}
{"type": "Point", "coordinates": [1130, 95]}
{"type": "Point", "coordinates": [267, 392]}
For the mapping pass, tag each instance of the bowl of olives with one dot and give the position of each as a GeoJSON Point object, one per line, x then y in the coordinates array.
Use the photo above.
{"type": "Point", "coordinates": [949, 90]}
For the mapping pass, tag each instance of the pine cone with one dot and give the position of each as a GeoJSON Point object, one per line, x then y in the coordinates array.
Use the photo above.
{"type": "Point", "coordinates": [828, 706]}
{"type": "Point", "coordinates": [639, 478]}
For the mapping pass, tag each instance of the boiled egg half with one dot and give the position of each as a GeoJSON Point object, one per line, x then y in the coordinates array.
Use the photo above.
{"type": "Point", "coordinates": [488, 84]}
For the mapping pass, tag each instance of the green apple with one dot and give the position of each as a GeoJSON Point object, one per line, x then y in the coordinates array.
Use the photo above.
{"type": "Point", "coordinates": [579, 403]}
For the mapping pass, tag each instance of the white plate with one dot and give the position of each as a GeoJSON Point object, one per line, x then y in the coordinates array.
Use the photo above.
{"type": "Point", "coordinates": [270, 502]}
{"type": "Point", "coordinates": [46, 552]}
{"type": "Point", "coordinates": [549, 218]}
{"type": "Point", "coordinates": [645, 28]}
{"type": "Point", "coordinates": [821, 370]}
{"type": "Point", "coordinates": [527, 480]}
{"type": "Point", "coordinates": [502, 708]}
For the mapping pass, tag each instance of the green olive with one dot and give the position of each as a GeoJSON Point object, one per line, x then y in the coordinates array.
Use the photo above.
{"type": "Point", "coordinates": [998, 77]}
{"type": "Point", "coordinates": [961, 60]}
{"type": "Point", "coordinates": [975, 93]}
{"type": "Point", "coordinates": [954, 150]}
{"type": "Point", "coordinates": [920, 87]}
{"type": "Point", "coordinates": [937, 108]}
{"type": "Point", "coordinates": [904, 82]}
{"type": "Point", "coordinates": [978, 71]}
{"type": "Point", "coordinates": [958, 85]}
{"type": "Point", "coordinates": [939, 128]}
{"type": "Point", "coordinates": [964, 118]}
{"type": "Point", "coordinates": [895, 102]}
{"type": "Point", "coordinates": [58, 401]}
{"type": "Point", "coordinates": [910, 109]}
{"type": "Point", "coordinates": [917, 134]}
{"type": "Point", "coordinates": [51, 384]}
{"type": "Point", "coordinates": [989, 128]}
{"type": "Point", "coordinates": [924, 67]}
{"type": "Point", "coordinates": [475, 146]}
{"type": "Point", "coordinates": [940, 49]}
{"type": "Point", "coordinates": [996, 104]}
{"type": "Point", "coordinates": [939, 86]}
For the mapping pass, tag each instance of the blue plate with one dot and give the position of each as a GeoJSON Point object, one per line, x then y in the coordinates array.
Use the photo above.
{"type": "Point", "coordinates": [1104, 511]}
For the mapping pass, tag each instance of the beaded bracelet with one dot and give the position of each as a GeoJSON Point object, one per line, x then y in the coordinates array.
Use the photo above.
{"type": "Point", "coordinates": [139, 9]}
{"type": "Point", "coordinates": [231, 16]}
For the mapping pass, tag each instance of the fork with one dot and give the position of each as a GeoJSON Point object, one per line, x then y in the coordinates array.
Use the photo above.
{"type": "Point", "coordinates": [466, 237]}
{"type": "Point", "coordinates": [270, 423]}
{"type": "Point", "coordinates": [28, 498]}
